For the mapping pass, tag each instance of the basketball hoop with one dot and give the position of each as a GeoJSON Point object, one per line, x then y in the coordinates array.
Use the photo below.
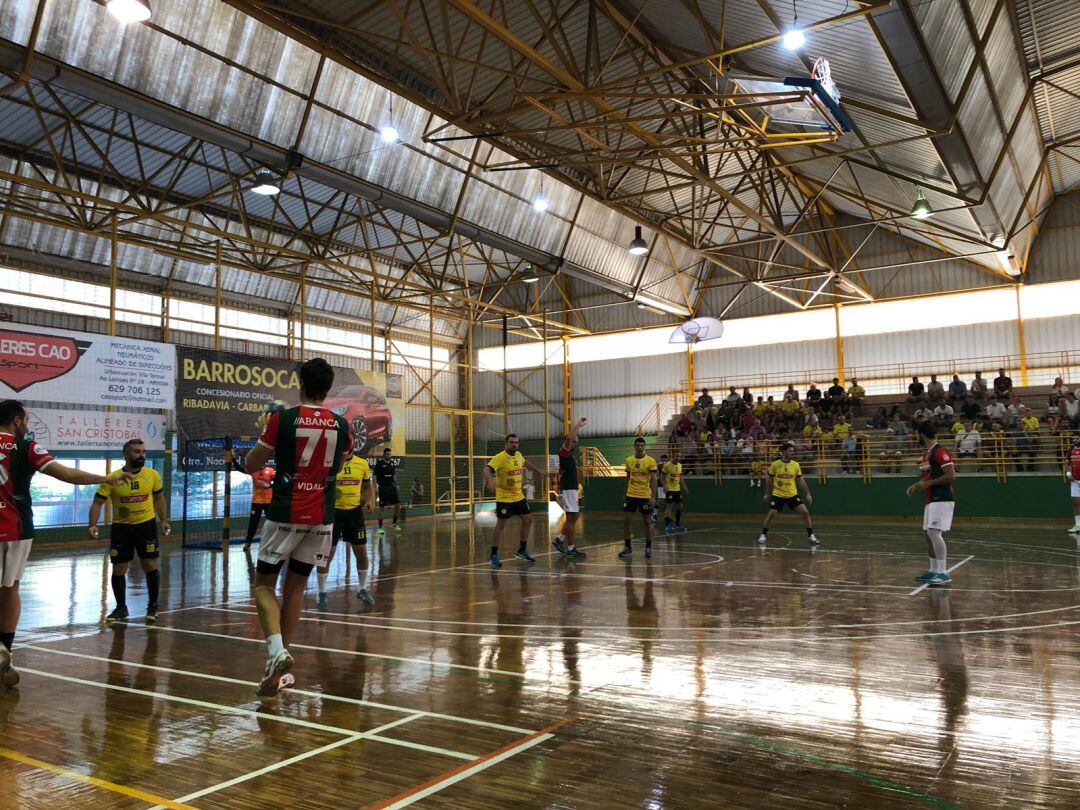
{"type": "Point", "coordinates": [697, 330]}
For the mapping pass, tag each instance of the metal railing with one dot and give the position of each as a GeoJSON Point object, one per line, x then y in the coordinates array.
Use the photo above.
{"type": "Point", "coordinates": [867, 455]}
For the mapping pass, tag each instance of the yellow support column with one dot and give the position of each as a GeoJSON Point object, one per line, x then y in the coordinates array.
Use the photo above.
{"type": "Point", "coordinates": [1021, 345]}
{"type": "Point", "coordinates": [567, 387]}
{"type": "Point", "coordinates": [690, 372]}
{"type": "Point", "coordinates": [839, 346]}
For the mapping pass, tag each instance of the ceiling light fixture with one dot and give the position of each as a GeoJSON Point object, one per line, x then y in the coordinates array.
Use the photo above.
{"type": "Point", "coordinates": [129, 11]}
{"type": "Point", "coordinates": [540, 203]}
{"type": "Point", "coordinates": [638, 247]}
{"type": "Point", "coordinates": [921, 209]}
{"type": "Point", "coordinates": [794, 38]}
{"type": "Point", "coordinates": [530, 276]}
{"type": "Point", "coordinates": [388, 133]}
{"type": "Point", "coordinates": [267, 183]}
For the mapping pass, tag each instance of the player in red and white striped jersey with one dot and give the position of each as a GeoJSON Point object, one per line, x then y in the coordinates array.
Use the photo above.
{"type": "Point", "coordinates": [310, 443]}
{"type": "Point", "coordinates": [1073, 474]}
{"type": "Point", "coordinates": [20, 458]}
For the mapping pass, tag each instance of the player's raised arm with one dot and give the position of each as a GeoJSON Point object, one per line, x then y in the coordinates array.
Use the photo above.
{"type": "Point", "coordinates": [572, 435]}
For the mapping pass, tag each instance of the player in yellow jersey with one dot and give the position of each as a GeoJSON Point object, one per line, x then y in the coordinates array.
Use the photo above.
{"type": "Point", "coordinates": [674, 488]}
{"type": "Point", "coordinates": [352, 492]}
{"type": "Point", "coordinates": [137, 505]}
{"type": "Point", "coordinates": [785, 480]}
{"type": "Point", "coordinates": [504, 474]}
{"type": "Point", "coordinates": [640, 496]}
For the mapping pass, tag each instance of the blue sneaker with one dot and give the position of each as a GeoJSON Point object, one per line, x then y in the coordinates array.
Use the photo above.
{"type": "Point", "coordinates": [560, 546]}
{"type": "Point", "coordinates": [926, 576]}
{"type": "Point", "coordinates": [940, 579]}
{"type": "Point", "coordinates": [495, 561]}
{"type": "Point", "coordinates": [680, 528]}
{"type": "Point", "coordinates": [524, 555]}
{"type": "Point", "coordinates": [322, 604]}
{"type": "Point", "coordinates": [576, 552]}
{"type": "Point", "coordinates": [626, 552]}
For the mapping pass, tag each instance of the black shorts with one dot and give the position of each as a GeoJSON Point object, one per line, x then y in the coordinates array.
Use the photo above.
{"type": "Point", "coordinates": [388, 496]}
{"type": "Point", "coordinates": [349, 525]}
{"type": "Point", "coordinates": [793, 503]}
{"type": "Point", "coordinates": [673, 497]}
{"type": "Point", "coordinates": [128, 538]}
{"type": "Point", "coordinates": [504, 511]}
{"type": "Point", "coordinates": [636, 505]}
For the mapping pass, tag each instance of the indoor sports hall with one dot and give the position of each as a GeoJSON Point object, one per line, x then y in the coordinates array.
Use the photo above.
{"type": "Point", "coordinates": [539, 404]}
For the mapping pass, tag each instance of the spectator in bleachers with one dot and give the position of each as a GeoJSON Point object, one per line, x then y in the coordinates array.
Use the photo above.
{"type": "Point", "coordinates": [1012, 412]}
{"type": "Point", "coordinates": [956, 427]}
{"type": "Point", "coordinates": [968, 442]}
{"type": "Point", "coordinates": [747, 397]}
{"type": "Point", "coordinates": [1058, 389]}
{"type": "Point", "coordinates": [683, 426]}
{"type": "Point", "coordinates": [922, 414]}
{"type": "Point", "coordinates": [970, 409]}
{"type": "Point", "coordinates": [1003, 384]}
{"type": "Point", "coordinates": [835, 397]}
{"type": "Point", "coordinates": [789, 407]}
{"type": "Point", "coordinates": [897, 425]}
{"type": "Point", "coordinates": [813, 395]}
{"type": "Point", "coordinates": [943, 414]}
{"type": "Point", "coordinates": [746, 419]}
{"type": "Point", "coordinates": [880, 419]}
{"type": "Point", "coordinates": [856, 394]}
{"type": "Point", "coordinates": [846, 443]}
{"type": "Point", "coordinates": [1028, 420]}
{"type": "Point", "coordinates": [995, 409]}
{"type": "Point", "coordinates": [1021, 447]}
{"type": "Point", "coordinates": [757, 430]}
{"type": "Point", "coordinates": [916, 391]}
{"type": "Point", "coordinates": [1070, 410]}
{"type": "Point", "coordinates": [733, 396]}
{"type": "Point", "coordinates": [935, 391]}
{"type": "Point", "coordinates": [759, 407]}
{"type": "Point", "coordinates": [1053, 412]}
{"type": "Point", "coordinates": [957, 390]}
{"type": "Point", "coordinates": [892, 451]}
{"type": "Point", "coordinates": [704, 401]}
{"type": "Point", "coordinates": [791, 392]}
{"type": "Point", "coordinates": [745, 450]}
{"type": "Point", "coordinates": [812, 428]}
{"type": "Point", "coordinates": [977, 389]}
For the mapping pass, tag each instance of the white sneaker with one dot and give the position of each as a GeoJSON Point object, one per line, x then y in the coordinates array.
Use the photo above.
{"type": "Point", "coordinates": [1074, 530]}
{"type": "Point", "coordinates": [762, 539]}
{"type": "Point", "coordinates": [276, 668]}
{"type": "Point", "coordinates": [814, 541]}
{"type": "Point", "coordinates": [9, 676]}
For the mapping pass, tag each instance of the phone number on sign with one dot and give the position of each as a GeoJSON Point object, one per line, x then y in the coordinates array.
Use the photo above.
{"type": "Point", "coordinates": [144, 390]}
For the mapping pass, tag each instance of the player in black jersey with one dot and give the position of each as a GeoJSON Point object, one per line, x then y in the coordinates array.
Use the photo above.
{"type": "Point", "coordinates": [568, 493]}
{"type": "Point", "coordinates": [385, 473]}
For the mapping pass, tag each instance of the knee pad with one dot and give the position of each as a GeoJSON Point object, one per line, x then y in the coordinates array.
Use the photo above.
{"type": "Point", "coordinates": [301, 568]}
{"type": "Point", "coordinates": [268, 569]}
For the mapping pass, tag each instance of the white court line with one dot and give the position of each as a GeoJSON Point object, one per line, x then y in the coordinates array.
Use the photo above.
{"type": "Point", "coordinates": [949, 570]}
{"type": "Point", "coordinates": [305, 692]}
{"type": "Point", "coordinates": [677, 639]}
{"type": "Point", "coordinates": [268, 769]}
{"type": "Point", "coordinates": [194, 607]}
{"type": "Point", "coordinates": [419, 661]}
{"type": "Point", "coordinates": [257, 715]}
{"type": "Point", "coordinates": [465, 774]}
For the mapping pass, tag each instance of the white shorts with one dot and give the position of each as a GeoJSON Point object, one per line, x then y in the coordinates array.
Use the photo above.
{"type": "Point", "coordinates": [1074, 489]}
{"type": "Point", "coordinates": [938, 515]}
{"type": "Point", "coordinates": [568, 498]}
{"type": "Point", "coordinates": [295, 541]}
{"type": "Point", "coordinates": [659, 493]}
{"type": "Point", "coordinates": [13, 556]}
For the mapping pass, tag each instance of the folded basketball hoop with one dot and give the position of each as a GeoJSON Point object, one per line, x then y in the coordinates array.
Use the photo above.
{"type": "Point", "coordinates": [697, 330]}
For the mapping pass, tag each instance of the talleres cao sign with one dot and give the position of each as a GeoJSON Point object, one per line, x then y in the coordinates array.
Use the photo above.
{"type": "Point", "coordinates": [54, 365]}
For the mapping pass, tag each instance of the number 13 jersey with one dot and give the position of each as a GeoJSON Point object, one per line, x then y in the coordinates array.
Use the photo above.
{"type": "Point", "coordinates": [310, 444]}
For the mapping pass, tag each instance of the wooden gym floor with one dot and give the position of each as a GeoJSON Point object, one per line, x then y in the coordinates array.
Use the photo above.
{"type": "Point", "coordinates": [716, 675]}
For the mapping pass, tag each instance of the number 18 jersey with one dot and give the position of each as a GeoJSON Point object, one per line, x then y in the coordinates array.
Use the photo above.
{"type": "Point", "coordinates": [310, 444]}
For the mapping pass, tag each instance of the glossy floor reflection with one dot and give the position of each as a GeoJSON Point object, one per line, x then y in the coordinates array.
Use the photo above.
{"type": "Point", "coordinates": [717, 674]}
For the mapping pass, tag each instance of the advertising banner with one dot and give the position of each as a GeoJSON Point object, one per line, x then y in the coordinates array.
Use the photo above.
{"type": "Point", "coordinates": [95, 430]}
{"type": "Point", "coordinates": [55, 365]}
{"type": "Point", "coordinates": [229, 394]}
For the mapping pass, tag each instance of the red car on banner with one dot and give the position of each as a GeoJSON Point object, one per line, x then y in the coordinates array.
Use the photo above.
{"type": "Point", "coordinates": [367, 413]}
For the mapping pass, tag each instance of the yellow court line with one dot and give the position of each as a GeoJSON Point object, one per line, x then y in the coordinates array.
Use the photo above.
{"type": "Point", "coordinates": [133, 793]}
